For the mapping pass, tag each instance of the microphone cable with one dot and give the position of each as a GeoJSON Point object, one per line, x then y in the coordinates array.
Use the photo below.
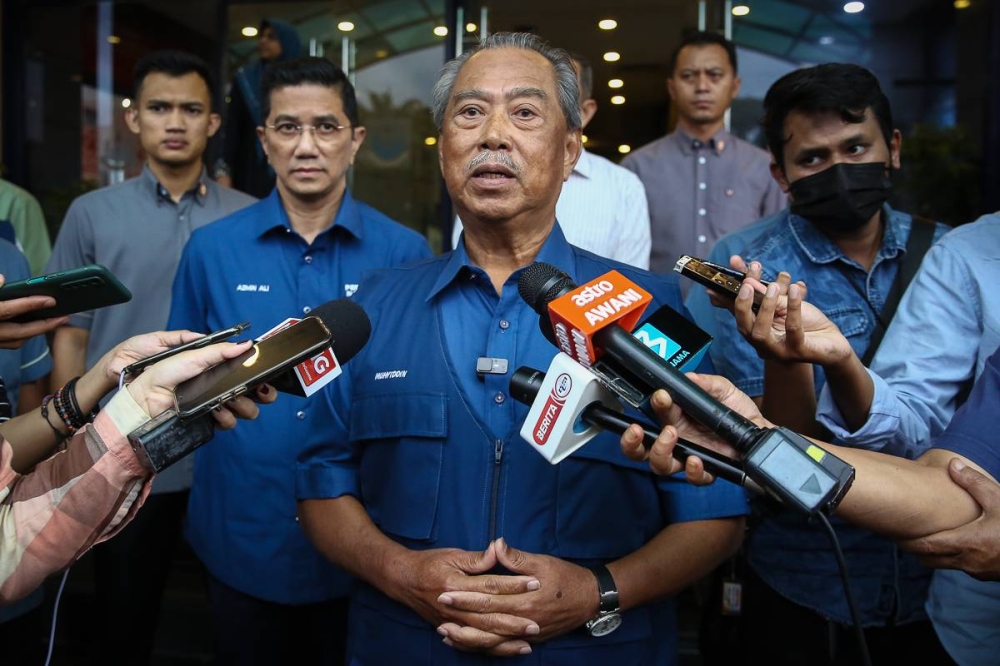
{"type": "Point", "coordinates": [859, 631]}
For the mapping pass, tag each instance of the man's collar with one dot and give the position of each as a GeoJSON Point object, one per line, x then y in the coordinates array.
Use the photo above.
{"type": "Point", "coordinates": [556, 251]}
{"type": "Point", "coordinates": [199, 191]}
{"type": "Point", "coordinates": [274, 216]}
{"type": "Point", "coordinates": [689, 145]}
{"type": "Point", "coordinates": [821, 250]}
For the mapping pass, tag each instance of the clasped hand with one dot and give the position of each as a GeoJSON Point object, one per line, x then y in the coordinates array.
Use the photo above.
{"type": "Point", "coordinates": [500, 615]}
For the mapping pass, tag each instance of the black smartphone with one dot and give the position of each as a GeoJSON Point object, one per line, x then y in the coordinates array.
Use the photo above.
{"type": "Point", "coordinates": [267, 358]}
{"type": "Point", "coordinates": [722, 280]}
{"type": "Point", "coordinates": [75, 290]}
{"type": "Point", "coordinates": [203, 341]}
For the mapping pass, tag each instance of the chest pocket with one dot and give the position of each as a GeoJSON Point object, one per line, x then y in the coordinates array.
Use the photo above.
{"type": "Point", "coordinates": [852, 322]}
{"type": "Point", "coordinates": [403, 437]}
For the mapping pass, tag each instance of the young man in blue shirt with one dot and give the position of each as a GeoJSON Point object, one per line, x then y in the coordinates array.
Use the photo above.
{"type": "Point", "coordinates": [831, 135]}
{"type": "Point", "coordinates": [271, 593]}
{"type": "Point", "coordinates": [464, 539]}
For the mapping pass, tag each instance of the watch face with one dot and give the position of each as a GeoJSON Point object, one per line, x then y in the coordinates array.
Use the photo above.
{"type": "Point", "coordinates": [605, 624]}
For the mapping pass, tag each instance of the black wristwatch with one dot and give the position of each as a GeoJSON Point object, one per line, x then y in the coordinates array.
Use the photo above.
{"type": "Point", "coordinates": [609, 616]}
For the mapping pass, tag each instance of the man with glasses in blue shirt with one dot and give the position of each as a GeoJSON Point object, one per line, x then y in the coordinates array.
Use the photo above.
{"type": "Point", "coordinates": [271, 593]}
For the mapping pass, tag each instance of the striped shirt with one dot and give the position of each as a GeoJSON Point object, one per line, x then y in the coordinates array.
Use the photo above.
{"type": "Point", "coordinates": [602, 208]}
{"type": "Point", "coordinates": [67, 503]}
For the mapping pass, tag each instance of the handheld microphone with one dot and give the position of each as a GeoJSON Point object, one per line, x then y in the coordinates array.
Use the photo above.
{"type": "Point", "coordinates": [801, 474]}
{"type": "Point", "coordinates": [526, 384]}
{"type": "Point", "coordinates": [168, 437]}
{"type": "Point", "coordinates": [349, 328]}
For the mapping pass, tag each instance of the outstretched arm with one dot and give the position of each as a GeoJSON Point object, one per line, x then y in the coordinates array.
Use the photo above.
{"type": "Point", "coordinates": [896, 497]}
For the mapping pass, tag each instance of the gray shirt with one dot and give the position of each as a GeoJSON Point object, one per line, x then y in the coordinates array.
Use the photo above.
{"type": "Point", "coordinates": [137, 231]}
{"type": "Point", "coordinates": [700, 191]}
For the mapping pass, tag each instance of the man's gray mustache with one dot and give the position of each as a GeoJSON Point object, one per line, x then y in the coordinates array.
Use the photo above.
{"type": "Point", "coordinates": [494, 157]}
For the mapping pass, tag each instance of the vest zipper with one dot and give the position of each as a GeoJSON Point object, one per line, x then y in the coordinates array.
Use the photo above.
{"type": "Point", "coordinates": [497, 459]}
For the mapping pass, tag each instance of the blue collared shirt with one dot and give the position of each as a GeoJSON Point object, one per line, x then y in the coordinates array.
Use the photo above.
{"type": "Point", "coordinates": [253, 266]}
{"type": "Point", "coordinates": [789, 555]}
{"type": "Point", "coordinates": [433, 451]}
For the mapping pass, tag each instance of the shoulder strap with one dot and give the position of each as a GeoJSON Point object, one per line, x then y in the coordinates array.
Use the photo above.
{"type": "Point", "coordinates": [920, 240]}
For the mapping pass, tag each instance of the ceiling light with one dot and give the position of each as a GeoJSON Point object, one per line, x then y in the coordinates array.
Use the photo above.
{"type": "Point", "coordinates": [126, 103]}
{"type": "Point", "coordinates": [624, 149]}
{"type": "Point", "coordinates": [114, 39]}
{"type": "Point", "coordinates": [612, 56]}
{"type": "Point", "coordinates": [826, 40]}
{"type": "Point", "coordinates": [741, 10]}
{"type": "Point", "coordinates": [618, 99]}
{"type": "Point", "coordinates": [615, 83]}
{"type": "Point", "coordinates": [963, 4]}
{"type": "Point", "coordinates": [430, 141]}
{"type": "Point", "coordinates": [249, 31]}
{"type": "Point", "coordinates": [583, 138]}
{"type": "Point", "coordinates": [345, 26]}
{"type": "Point", "coordinates": [854, 7]}
{"type": "Point", "coordinates": [607, 24]}
{"type": "Point", "coordinates": [470, 27]}
{"type": "Point", "coordinates": [441, 31]}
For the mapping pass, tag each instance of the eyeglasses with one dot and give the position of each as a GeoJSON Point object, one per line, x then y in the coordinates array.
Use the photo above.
{"type": "Point", "coordinates": [322, 131]}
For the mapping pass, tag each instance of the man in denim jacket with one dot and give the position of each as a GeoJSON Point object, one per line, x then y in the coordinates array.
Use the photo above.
{"type": "Point", "coordinates": [831, 136]}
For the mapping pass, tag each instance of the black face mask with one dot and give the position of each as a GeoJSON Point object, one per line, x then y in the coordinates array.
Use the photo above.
{"type": "Point", "coordinates": [842, 198]}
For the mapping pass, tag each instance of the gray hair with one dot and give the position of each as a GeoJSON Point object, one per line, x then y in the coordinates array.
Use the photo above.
{"type": "Point", "coordinates": [567, 86]}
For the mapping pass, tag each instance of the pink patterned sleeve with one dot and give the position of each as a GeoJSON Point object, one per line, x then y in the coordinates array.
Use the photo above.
{"type": "Point", "coordinates": [78, 497]}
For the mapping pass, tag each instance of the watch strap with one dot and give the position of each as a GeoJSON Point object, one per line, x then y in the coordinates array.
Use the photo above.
{"type": "Point", "coordinates": [606, 588]}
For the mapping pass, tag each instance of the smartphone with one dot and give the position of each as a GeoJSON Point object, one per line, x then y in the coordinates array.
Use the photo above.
{"type": "Point", "coordinates": [266, 359]}
{"type": "Point", "coordinates": [203, 341]}
{"type": "Point", "coordinates": [722, 280]}
{"type": "Point", "coordinates": [75, 290]}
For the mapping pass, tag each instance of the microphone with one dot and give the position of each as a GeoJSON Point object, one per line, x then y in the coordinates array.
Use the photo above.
{"type": "Point", "coordinates": [349, 328]}
{"type": "Point", "coordinates": [526, 385]}
{"type": "Point", "coordinates": [168, 437]}
{"type": "Point", "coordinates": [585, 321]}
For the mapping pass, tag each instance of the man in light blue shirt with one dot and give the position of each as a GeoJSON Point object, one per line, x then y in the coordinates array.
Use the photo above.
{"type": "Point", "coordinates": [947, 325]}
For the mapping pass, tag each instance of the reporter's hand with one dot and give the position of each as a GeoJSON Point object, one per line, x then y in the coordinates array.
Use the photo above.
{"type": "Point", "coordinates": [153, 390]}
{"type": "Point", "coordinates": [678, 424]}
{"type": "Point", "coordinates": [974, 547]}
{"type": "Point", "coordinates": [108, 369]}
{"type": "Point", "coordinates": [13, 335]}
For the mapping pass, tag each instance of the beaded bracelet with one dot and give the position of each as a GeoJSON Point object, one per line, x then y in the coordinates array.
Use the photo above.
{"type": "Point", "coordinates": [45, 415]}
{"type": "Point", "coordinates": [69, 409]}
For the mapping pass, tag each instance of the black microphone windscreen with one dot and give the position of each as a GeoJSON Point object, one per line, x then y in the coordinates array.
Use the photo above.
{"type": "Point", "coordinates": [349, 326]}
{"type": "Point", "coordinates": [540, 283]}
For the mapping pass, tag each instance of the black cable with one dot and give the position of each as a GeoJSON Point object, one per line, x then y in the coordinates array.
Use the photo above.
{"type": "Point", "coordinates": [859, 631]}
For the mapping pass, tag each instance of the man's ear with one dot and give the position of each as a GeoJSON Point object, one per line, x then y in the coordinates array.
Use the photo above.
{"type": "Point", "coordinates": [214, 123]}
{"type": "Point", "coordinates": [573, 150]}
{"type": "Point", "coordinates": [132, 118]}
{"type": "Point", "coordinates": [670, 87]}
{"type": "Point", "coordinates": [357, 138]}
{"type": "Point", "coordinates": [588, 108]}
{"type": "Point", "coordinates": [895, 146]}
{"type": "Point", "coordinates": [779, 175]}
